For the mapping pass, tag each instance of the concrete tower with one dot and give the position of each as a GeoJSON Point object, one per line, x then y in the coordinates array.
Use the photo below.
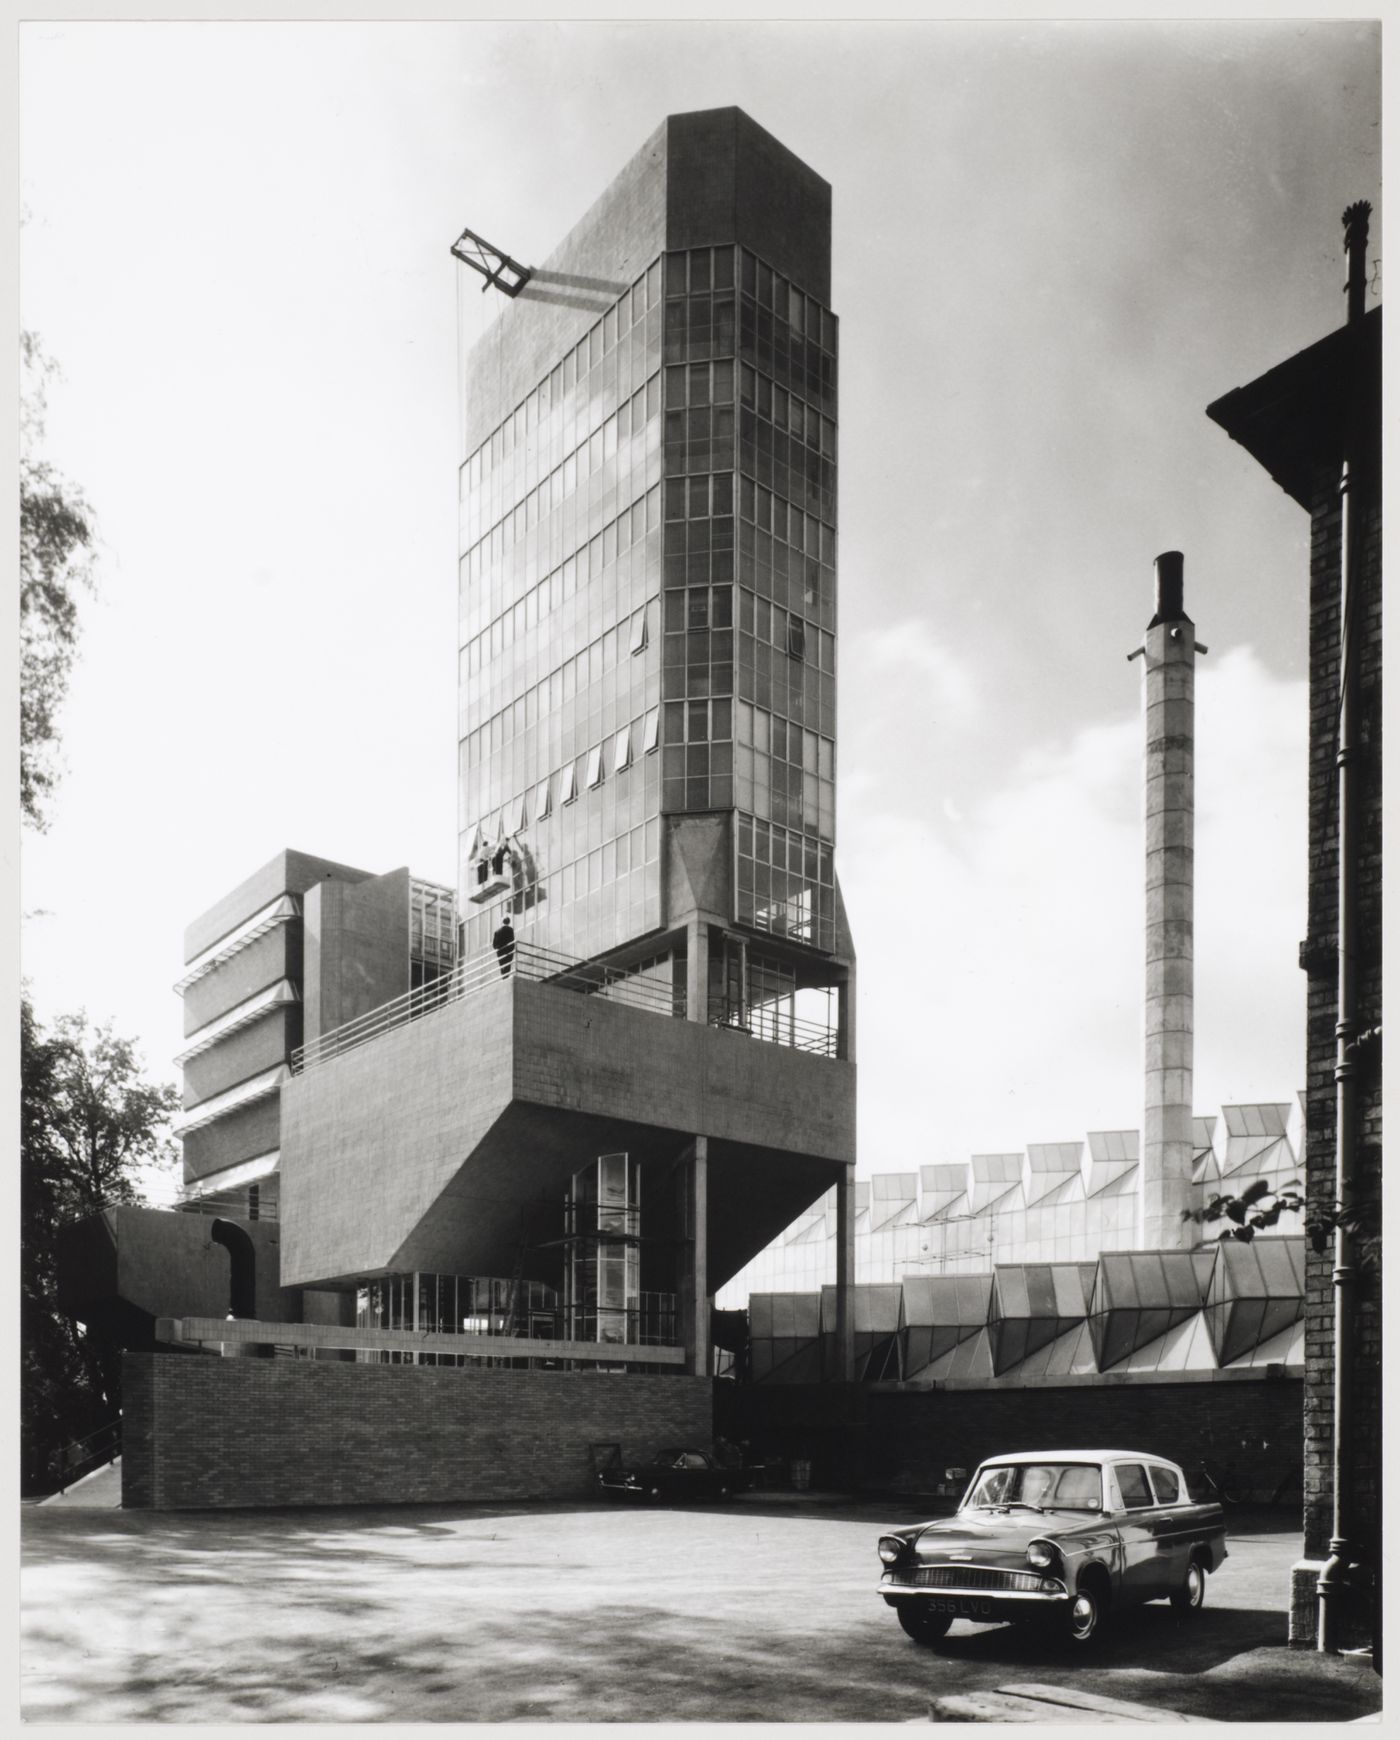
{"type": "Point", "coordinates": [1169, 707]}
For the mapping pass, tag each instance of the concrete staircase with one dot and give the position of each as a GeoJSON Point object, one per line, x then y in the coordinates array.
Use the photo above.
{"type": "Point", "coordinates": [100, 1490]}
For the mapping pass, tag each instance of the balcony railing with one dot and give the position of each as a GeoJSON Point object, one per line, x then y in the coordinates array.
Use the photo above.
{"type": "Point", "coordinates": [230, 1205]}
{"type": "Point", "coordinates": [774, 1022]}
{"type": "Point", "coordinates": [777, 1025]}
{"type": "Point", "coordinates": [468, 978]}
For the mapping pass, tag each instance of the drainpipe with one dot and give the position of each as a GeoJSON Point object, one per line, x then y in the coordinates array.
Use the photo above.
{"type": "Point", "coordinates": [1338, 1574]}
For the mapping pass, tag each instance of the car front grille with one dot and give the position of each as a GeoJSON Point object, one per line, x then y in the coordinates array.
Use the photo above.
{"type": "Point", "coordinates": [974, 1577]}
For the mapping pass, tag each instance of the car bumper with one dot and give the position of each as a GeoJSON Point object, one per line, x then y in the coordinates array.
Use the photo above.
{"type": "Point", "coordinates": [986, 1606]}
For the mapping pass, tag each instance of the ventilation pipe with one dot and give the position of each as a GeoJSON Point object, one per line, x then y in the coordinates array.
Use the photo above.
{"type": "Point", "coordinates": [1339, 1573]}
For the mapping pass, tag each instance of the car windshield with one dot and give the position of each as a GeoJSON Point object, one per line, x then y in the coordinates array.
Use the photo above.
{"type": "Point", "coordinates": [1037, 1486]}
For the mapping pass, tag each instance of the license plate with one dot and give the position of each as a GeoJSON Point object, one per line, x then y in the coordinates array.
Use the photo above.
{"type": "Point", "coordinates": [960, 1606]}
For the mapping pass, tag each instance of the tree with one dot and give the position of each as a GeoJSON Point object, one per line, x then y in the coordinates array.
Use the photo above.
{"type": "Point", "coordinates": [91, 1130]}
{"type": "Point", "coordinates": [56, 539]}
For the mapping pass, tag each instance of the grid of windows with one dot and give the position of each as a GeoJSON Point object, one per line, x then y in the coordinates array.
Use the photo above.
{"type": "Point", "coordinates": [560, 667]}
{"type": "Point", "coordinates": [587, 386]}
{"type": "Point", "coordinates": [698, 748]}
{"type": "Point", "coordinates": [432, 931]}
{"type": "Point", "coordinates": [786, 882]}
{"type": "Point", "coordinates": [699, 304]}
{"type": "Point", "coordinates": [789, 336]}
{"type": "Point", "coordinates": [784, 772]}
{"type": "Point", "coordinates": [655, 523]}
{"type": "Point", "coordinates": [787, 444]}
{"type": "Point", "coordinates": [699, 428]}
{"type": "Point", "coordinates": [579, 705]}
{"type": "Point", "coordinates": [749, 612]}
{"type": "Point", "coordinates": [525, 679]}
{"type": "Point", "coordinates": [563, 507]}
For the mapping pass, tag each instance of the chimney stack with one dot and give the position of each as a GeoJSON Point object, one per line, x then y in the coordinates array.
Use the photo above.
{"type": "Point", "coordinates": [1356, 230]}
{"type": "Point", "coordinates": [1169, 706]}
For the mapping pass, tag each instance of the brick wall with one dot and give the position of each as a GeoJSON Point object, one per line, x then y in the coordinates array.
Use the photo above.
{"type": "Point", "coordinates": [206, 1433]}
{"type": "Point", "coordinates": [903, 1441]}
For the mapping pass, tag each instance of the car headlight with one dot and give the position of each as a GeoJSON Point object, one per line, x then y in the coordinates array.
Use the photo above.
{"type": "Point", "coordinates": [1040, 1554]}
{"type": "Point", "coordinates": [890, 1549]}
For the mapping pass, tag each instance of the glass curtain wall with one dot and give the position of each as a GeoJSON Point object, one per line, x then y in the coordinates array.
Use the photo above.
{"type": "Point", "coordinates": [454, 1305]}
{"type": "Point", "coordinates": [648, 611]}
{"type": "Point", "coordinates": [560, 638]}
{"type": "Point", "coordinates": [603, 1283]}
{"type": "Point", "coordinates": [749, 668]}
{"type": "Point", "coordinates": [432, 942]}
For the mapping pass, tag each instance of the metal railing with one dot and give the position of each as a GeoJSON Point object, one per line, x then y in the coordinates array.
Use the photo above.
{"type": "Point", "coordinates": [652, 1322]}
{"type": "Point", "coordinates": [472, 976]}
{"type": "Point", "coordinates": [234, 1207]}
{"type": "Point", "coordinates": [777, 1026]}
{"type": "Point", "coordinates": [83, 1455]}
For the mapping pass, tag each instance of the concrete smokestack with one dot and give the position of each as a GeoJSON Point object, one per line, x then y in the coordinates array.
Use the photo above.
{"type": "Point", "coordinates": [1169, 709]}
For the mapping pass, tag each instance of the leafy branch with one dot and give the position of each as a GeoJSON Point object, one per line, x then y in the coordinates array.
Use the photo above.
{"type": "Point", "coordinates": [56, 561]}
{"type": "Point", "coordinates": [1263, 1204]}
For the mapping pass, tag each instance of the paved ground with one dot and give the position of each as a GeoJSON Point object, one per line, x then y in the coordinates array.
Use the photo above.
{"type": "Point", "coordinates": [757, 1610]}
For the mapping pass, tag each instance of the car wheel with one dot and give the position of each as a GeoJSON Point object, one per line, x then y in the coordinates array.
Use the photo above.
{"type": "Point", "coordinates": [1191, 1596]}
{"type": "Point", "coordinates": [653, 1492]}
{"type": "Point", "coordinates": [921, 1622]}
{"type": "Point", "coordinates": [1085, 1617]}
{"type": "Point", "coordinates": [723, 1490]}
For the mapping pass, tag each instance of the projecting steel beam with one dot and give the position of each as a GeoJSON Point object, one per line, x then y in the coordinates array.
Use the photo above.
{"type": "Point", "coordinates": [498, 269]}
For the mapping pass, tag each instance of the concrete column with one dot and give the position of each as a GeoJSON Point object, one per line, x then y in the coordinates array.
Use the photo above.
{"type": "Point", "coordinates": [1169, 813]}
{"type": "Point", "coordinates": [693, 1281]}
{"type": "Point", "coordinates": [845, 1276]}
{"type": "Point", "coordinates": [697, 969]}
{"type": "Point", "coordinates": [846, 1015]}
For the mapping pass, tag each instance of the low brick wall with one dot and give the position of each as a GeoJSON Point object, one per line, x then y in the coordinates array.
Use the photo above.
{"type": "Point", "coordinates": [206, 1433]}
{"type": "Point", "coordinates": [903, 1441]}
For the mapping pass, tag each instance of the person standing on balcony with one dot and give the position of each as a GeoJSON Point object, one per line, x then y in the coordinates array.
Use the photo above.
{"type": "Point", "coordinates": [504, 944]}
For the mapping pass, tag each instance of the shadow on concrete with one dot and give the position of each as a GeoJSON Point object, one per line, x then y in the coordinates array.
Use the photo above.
{"type": "Point", "coordinates": [1155, 1633]}
{"type": "Point", "coordinates": [580, 1613]}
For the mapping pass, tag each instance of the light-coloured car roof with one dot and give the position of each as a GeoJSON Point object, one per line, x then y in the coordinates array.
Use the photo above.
{"type": "Point", "coordinates": [1078, 1456]}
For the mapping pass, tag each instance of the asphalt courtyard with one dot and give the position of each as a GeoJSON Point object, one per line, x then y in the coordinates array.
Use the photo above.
{"type": "Point", "coordinates": [759, 1609]}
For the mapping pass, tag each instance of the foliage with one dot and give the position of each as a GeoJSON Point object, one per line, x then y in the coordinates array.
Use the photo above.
{"type": "Point", "coordinates": [90, 1127]}
{"type": "Point", "coordinates": [1262, 1204]}
{"type": "Point", "coordinates": [56, 537]}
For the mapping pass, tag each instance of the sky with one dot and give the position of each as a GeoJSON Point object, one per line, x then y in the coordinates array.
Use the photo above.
{"type": "Point", "coordinates": [1054, 245]}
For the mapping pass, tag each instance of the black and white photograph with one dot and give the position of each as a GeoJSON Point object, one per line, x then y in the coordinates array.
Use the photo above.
{"type": "Point", "coordinates": [699, 871]}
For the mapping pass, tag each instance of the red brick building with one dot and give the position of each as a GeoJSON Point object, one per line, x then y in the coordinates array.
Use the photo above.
{"type": "Point", "coordinates": [1314, 424]}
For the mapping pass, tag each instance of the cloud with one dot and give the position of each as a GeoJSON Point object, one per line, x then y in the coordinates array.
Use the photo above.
{"type": "Point", "coordinates": [909, 656]}
{"type": "Point", "coordinates": [1000, 958]}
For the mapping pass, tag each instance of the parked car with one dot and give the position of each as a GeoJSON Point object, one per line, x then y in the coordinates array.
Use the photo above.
{"type": "Point", "coordinates": [672, 1473]}
{"type": "Point", "coordinates": [1063, 1536]}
